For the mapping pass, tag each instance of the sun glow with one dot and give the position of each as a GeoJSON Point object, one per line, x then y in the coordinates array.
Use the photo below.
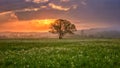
{"type": "Point", "coordinates": [45, 22]}
{"type": "Point", "coordinates": [28, 26]}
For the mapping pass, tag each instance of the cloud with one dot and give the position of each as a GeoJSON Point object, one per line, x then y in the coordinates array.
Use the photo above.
{"type": "Point", "coordinates": [11, 16]}
{"type": "Point", "coordinates": [37, 1]}
{"type": "Point", "coordinates": [64, 0]}
{"type": "Point", "coordinates": [43, 6]}
{"type": "Point", "coordinates": [30, 9]}
{"type": "Point", "coordinates": [14, 15]}
{"type": "Point", "coordinates": [58, 7]}
{"type": "Point", "coordinates": [8, 17]}
{"type": "Point", "coordinates": [75, 6]}
{"type": "Point", "coordinates": [38, 11]}
{"type": "Point", "coordinates": [84, 2]}
{"type": "Point", "coordinates": [3, 13]}
{"type": "Point", "coordinates": [27, 9]}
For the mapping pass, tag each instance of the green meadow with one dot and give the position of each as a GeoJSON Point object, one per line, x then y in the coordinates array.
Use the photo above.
{"type": "Point", "coordinates": [55, 53]}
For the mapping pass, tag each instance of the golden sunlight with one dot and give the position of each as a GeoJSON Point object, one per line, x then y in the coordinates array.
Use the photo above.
{"type": "Point", "coordinates": [46, 22]}
{"type": "Point", "coordinates": [28, 26]}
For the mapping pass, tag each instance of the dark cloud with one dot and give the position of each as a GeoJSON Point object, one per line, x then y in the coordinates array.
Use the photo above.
{"type": "Point", "coordinates": [86, 11]}
{"type": "Point", "coordinates": [41, 14]}
{"type": "Point", "coordinates": [106, 10]}
{"type": "Point", "coordinates": [10, 5]}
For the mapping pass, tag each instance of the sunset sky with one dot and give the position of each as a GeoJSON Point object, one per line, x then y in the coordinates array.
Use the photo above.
{"type": "Point", "coordinates": [36, 15]}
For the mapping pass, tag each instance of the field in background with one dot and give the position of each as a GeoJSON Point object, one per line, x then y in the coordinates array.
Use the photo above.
{"type": "Point", "coordinates": [54, 53]}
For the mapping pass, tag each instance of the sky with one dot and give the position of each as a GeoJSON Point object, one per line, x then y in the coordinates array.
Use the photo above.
{"type": "Point", "coordinates": [36, 15]}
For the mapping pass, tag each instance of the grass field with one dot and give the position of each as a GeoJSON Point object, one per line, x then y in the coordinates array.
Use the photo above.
{"type": "Point", "coordinates": [54, 53]}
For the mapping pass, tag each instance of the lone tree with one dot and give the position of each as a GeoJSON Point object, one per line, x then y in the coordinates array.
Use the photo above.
{"type": "Point", "coordinates": [62, 27]}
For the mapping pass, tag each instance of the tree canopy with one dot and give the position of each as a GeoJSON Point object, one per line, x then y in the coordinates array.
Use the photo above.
{"type": "Point", "coordinates": [62, 27]}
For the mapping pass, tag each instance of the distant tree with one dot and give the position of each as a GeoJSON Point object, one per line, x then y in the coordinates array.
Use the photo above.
{"type": "Point", "coordinates": [62, 27]}
{"type": "Point", "coordinates": [82, 33]}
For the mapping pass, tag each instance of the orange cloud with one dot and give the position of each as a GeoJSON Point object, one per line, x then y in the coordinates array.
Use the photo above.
{"type": "Point", "coordinates": [37, 1]}
{"type": "Point", "coordinates": [84, 2]}
{"type": "Point", "coordinates": [8, 16]}
{"type": "Point", "coordinates": [29, 9]}
{"type": "Point", "coordinates": [64, 0]}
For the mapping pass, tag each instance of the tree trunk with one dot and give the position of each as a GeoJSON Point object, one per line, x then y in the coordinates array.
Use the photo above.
{"type": "Point", "coordinates": [60, 36]}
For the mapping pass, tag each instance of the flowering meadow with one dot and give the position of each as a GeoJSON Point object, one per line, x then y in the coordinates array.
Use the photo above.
{"type": "Point", "coordinates": [65, 53]}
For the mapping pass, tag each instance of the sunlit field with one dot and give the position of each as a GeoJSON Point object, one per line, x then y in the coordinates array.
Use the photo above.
{"type": "Point", "coordinates": [65, 53]}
